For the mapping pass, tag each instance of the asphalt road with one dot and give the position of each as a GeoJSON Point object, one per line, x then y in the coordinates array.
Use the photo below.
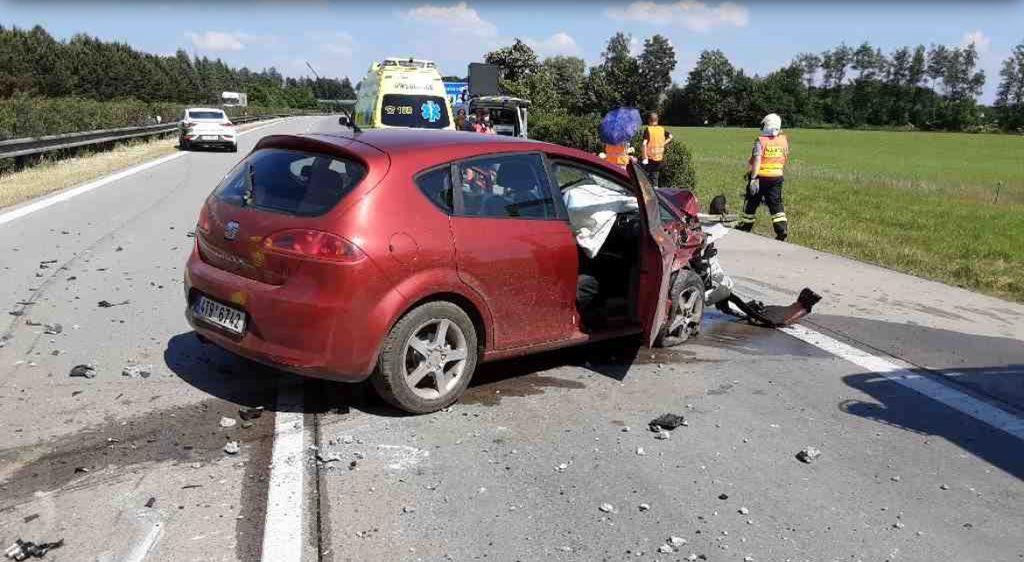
{"type": "Point", "coordinates": [132, 468]}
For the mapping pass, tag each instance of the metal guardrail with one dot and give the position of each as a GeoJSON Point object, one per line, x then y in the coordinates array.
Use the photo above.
{"type": "Point", "coordinates": [14, 148]}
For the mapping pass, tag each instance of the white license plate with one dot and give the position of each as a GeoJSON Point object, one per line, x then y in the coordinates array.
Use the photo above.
{"type": "Point", "coordinates": [209, 137]}
{"type": "Point", "coordinates": [230, 319]}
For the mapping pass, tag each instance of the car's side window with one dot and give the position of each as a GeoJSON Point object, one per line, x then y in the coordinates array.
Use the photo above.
{"type": "Point", "coordinates": [437, 186]}
{"type": "Point", "coordinates": [569, 175]}
{"type": "Point", "coordinates": [505, 186]}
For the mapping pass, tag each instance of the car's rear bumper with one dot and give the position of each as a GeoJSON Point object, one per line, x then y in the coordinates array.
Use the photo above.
{"type": "Point", "coordinates": [220, 140]}
{"type": "Point", "coordinates": [284, 327]}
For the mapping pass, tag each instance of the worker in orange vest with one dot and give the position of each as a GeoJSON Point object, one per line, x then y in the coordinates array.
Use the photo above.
{"type": "Point", "coordinates": [617, 154]}
{"type": "Point", "coordinates": [656, 138]}
{"type": "Point", "coordinates": [764, 180]}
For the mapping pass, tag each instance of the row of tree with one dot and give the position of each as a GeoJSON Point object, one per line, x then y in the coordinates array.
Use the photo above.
{"type": "Point", "coordinates": [934, 88]}
{"type": "Point", "coordinates": [564, 83]}
{"type": "Point", "coordinates": [34, 63]}
{"type": "Point", "coordinates": [918, 87]}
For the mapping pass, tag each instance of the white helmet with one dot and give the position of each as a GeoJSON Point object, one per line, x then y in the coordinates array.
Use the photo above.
{"type": "Point", "coordinates": [771, 124]}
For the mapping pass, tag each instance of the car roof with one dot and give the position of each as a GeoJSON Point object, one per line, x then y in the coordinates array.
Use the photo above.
{"type": "Point", "coordinates": [205, 109]}
{"type": "Point", "coordinates": [452, 145]}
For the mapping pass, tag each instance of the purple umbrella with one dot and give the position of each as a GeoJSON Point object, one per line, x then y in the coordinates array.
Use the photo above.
{"type": "Point", "coordinates": [619, 126]}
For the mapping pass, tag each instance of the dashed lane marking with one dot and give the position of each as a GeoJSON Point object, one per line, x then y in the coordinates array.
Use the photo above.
{"type": "Point", "coordinates": [945, 394]}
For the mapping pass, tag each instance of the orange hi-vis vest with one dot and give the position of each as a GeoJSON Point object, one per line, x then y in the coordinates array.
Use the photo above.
{"type": "Point", "coordinates": [656, 142]}
{"type": "Point", "coordinates": [774, 154]}
{"type": "Point", "coordinates": [616, 154]}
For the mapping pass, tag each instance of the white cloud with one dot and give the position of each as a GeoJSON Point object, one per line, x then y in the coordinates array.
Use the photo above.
{"type": "Point", "coordinates": [229, 41]}
{"type": "Point", "coordinates": [636, 46]}
{"type": "Point", "coordinates": [457, 17]}
{"type": "Point", "coordinates": [218, 40]}
{"type": "Point", "coordinates": [981, 41]}
{"type": "Point", "coordinates": [691, 14]}
{"type": "Point", "coordinates": [338, 44]}
{"type": "Point", "coordinates": [560, 43]}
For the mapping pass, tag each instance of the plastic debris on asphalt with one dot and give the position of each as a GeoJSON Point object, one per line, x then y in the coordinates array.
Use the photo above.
{"type": "Point", "coordinates": [228, 422]}
{"type": "Point", "coordinates": [85, 371]}
{"type": "Point", "coordinates": [250, 413]}
{"type": "Point", "coordinates": [231, 448]}
{"type": "Point", "coordinates": [137, 371]}
{"type": "Point", "coordinates": [22, 550]}
{"type": "Point", "coordinates": [666, 421]}
{"type": "Point", "coordinates": [808, 455]}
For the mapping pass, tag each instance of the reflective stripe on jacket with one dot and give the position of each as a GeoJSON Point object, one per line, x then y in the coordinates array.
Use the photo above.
{"type": "Point", "coordinates": [774, 154]}
{"type": "Point", "coordinates": [656, 142]}
{"type": "Point", "coordinates": [616, 154]}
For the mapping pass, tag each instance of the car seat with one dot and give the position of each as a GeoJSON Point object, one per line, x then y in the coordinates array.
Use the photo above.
{"type": "Point", "coordinates": [523, 188]}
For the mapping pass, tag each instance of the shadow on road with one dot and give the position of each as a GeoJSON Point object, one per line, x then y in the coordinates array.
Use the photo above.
{"type": "Point", "coordinates": [906, 409]}
{"type": "Point", "coordinates": [247, 383]}
{"type": "Point", "coordinates": [991, 368]}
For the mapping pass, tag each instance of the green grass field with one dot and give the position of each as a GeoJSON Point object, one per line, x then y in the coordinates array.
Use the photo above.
{"type": "Point", "coordinates": [921, 203]}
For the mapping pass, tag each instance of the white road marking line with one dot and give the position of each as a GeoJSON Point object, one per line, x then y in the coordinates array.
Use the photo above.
{"type": "Point", "coordinates": [45, 202]}
{"type": "Point", "coordinates": [282, 529]}
{"type": "Point", "coordinates": [965, 403]}
{"type": "Point", "coordinates": [141, 550]}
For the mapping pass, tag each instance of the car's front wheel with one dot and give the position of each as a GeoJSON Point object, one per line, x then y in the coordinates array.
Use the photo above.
{"type": "Point", "coordinates": [427, 358]}
{"type": "Point", "coordinates": [687, 311]}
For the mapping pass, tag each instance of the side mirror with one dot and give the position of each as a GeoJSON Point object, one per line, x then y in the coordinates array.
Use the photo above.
{"type": "Point", "coordinates": [344, 121]}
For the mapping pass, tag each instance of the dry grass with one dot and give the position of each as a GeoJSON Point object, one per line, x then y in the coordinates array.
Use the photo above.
{"type": "Point", "coordinates": [54, 175]}
{"type": "Point", "coordinates": [51, 175]}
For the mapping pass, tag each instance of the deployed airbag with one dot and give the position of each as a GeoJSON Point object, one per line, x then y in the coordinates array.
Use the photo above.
{"type": "Point", "coordinates": [592, 212]}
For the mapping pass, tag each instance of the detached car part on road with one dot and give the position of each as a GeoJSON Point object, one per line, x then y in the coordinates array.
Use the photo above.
{"type": "Point", "coordinates": [410, 256]}
{"type": "Point", "coordinates": [205, 127]}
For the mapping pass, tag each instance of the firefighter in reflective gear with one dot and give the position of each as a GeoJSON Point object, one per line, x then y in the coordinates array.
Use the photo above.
{"type": "Point", "coordinates": [656, 138]}
{"type": "Point", "coordinates": [764, 180]}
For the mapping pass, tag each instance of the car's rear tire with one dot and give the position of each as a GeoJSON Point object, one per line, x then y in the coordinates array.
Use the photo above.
{"type": "Point", "coordinates": [687, 312]}
{"type": "Point", "coordinates": [234, 148]}
{"type": "Point", "coordinates": [427, 358]}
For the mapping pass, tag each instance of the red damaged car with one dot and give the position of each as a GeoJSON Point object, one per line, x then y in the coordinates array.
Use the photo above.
{"type": "Point", "coordinates": [410, 256]}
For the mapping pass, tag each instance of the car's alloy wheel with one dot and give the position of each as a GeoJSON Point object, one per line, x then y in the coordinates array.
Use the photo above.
{"type": "Point", "coordinates": [687, 312]}
{"type": "Point", "coordinates": [427, 358]}
{"type": "Point", "coordinates": [435, 358]}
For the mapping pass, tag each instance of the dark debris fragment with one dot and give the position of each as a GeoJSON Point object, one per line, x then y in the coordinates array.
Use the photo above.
{"type": "Point", "coordinates": [666, 421]}
{"type": "Point", "coordinates": [22, 550]}
{"type": "Point", "coordinates": [85, 371]}
{"type": "Point", "coordinates": [250, 413]}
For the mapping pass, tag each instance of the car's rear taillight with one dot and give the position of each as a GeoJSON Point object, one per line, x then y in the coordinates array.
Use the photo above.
{"type": "Point", "coordinates": [203, 224]}
{"type": "Point", "coordinates": [229, 124]}
{"type": "Point", "coordinates": [314, 245]}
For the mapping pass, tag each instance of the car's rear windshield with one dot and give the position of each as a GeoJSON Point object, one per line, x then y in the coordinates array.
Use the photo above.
{"type": "Point", "coordinates": [206, 115]}
{"type": "Point", "coordinates": [423, 112]}
{"type": "Point", "coordinates": [289, 181]}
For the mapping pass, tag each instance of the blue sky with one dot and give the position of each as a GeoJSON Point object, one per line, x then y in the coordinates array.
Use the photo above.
{"type": "Point", "coordinates": [344, 38]}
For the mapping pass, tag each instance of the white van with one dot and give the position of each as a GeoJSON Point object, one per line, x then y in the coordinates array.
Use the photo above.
{"type": "Point", "coordinates": [403, 93]}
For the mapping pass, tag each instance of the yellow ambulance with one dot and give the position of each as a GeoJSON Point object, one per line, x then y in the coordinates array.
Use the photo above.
{"type": "Point", "coordinates": [403, 93]}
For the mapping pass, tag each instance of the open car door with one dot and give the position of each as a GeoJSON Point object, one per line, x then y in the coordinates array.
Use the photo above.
{"type": "Point", "coordinates": [656, 254]}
